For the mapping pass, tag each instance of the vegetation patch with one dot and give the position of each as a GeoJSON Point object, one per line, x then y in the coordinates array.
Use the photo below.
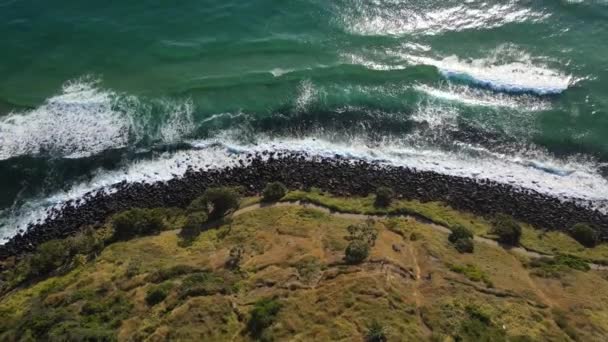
{"type": "Point", "coordinates": [472, 273]}
{"type": "Point", "coordinates": [555, 267]}
{"type": "Point", "coordinates": [157, 294]}
{"type": "Point", "coordinates": [206, 284]}
{"type": "Point", "coordinates": [462, 239]}
{"type": "Point", "coordinates": [262, 316]}
{"type": "Point", "coordinates": [362, 237]}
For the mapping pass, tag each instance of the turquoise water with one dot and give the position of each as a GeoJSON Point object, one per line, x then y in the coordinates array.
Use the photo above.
{"type": "Point", "coordinates": [95, 93]}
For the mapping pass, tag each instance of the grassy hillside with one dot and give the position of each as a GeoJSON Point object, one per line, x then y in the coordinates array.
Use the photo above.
{"type": "Point", "coordinates": [278, 273]}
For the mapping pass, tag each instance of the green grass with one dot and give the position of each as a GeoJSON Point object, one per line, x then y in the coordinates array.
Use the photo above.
{"type": "Point", "coordinates": [296, 255]}
{"type": "Point", "coordinates": [433, 211]}
{"type": "Point", "coordinates": [472, 273]}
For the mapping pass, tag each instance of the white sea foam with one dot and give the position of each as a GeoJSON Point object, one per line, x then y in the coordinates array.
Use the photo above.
{"type": "Point", "coordinates": [482, 98]}
{"type": "Point", "coordinates": [394, 17]}
{"type": "Point", "coordinates": [84, 120]}
{"type": "Point", "coordinates": [532, 169]}
{"type": "Point", "coordinates": [519, 75]}
{"type": "Point", "coordinates": [78, 122]}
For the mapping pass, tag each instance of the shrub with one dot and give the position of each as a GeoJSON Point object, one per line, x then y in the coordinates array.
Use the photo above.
{"type": "Point", "coordinates": [273, 192]}
{"type": "Point", "coordinates": [48, 257]}
{"type": "Point", "coordinates": [235, 257]}
{"type": "Point", "coordinates": [464, 245]}
{"type": "Point", "coordinates": [85, 242]}
{"type": "Point", "coordinates": [193, 226]}
{"type": "Point", "coordinates": [585, 235]}
{"type": "Point", "coordinates": [356, 251]}
{"type": "Point", "coordinates": [459, 232]}
{"type": "Point", "coordinates": [156, 294]}
{"type": "Point", "coordinates": [376, 333]}
{"type": "Point", "coordinates": [508, 231]}
{"type": "Point", "coordinates": [384, 196]}
{"type": "Point", "coordinates": [135, 222]}
{"type": "Point", "coordinates": [364, 232]}
{"type": "Point", "coordinates": [263, 316]}
{"type": "Point", "coordinates": [217, 202]}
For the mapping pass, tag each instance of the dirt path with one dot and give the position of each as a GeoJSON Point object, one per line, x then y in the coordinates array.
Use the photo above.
{"type": "Point", "coordinates": [434, 226]}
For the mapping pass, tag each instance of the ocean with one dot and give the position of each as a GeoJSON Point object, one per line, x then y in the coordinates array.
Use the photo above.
{"type": "Point", "coordinates": [95, 93]}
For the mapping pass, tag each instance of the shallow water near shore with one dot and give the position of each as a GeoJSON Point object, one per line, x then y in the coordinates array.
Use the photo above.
{"type": "Point", "coordinates": [93, 95]}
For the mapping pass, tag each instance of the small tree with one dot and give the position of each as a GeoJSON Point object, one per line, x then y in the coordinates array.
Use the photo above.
{"type": "Point", "coordinates": [585, 235]}
{"type": "Point", "coordinates": [273, 192]}
{"type": "Point", "coordinates": [459, 232]}
{"type": "Point", "coordinates": [384, 196]}
{"type": "Point", "coordinates": [356, 251]}
{"type": "Point", "coordinates": [217, 202]}
{"type": "Point", "coordinates": [508, 231]}
{"type": "Point", "coordinates": [464, 245]}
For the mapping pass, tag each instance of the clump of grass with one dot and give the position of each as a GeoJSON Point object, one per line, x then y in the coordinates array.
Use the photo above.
{"type": "Point", "coordinates": [472, 273]}
{"type": "Point", "coordinates": [164, 274]}
{"type": "Point", "coordinates": [376, 332]}
{"type": "Point", "coordinates": [308, 268]}
{"type": "Point", "coordinates": [206, 284]}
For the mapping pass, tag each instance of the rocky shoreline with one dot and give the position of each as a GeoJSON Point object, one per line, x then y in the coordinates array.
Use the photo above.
{"type": "Point", "coordinates": [336, 175]}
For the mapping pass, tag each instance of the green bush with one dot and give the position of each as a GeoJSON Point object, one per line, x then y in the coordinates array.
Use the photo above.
{"type": "Point", "coordinates": [364, 232]}
{"type": "Point", "coordinates": [384, 196]}
{"type": "Point", "coordinates": [217, 202]}
{"type": "Point", "coordinates": [273, 192]}
{"type": "Point", "coordinates": [472, 273]}
{"type": "Point", "coordinates": [507, 229]}
{"type": "Point", "coordinates": [459, 232]}
{"type": "Point", "coordinates": [262, 316]}
{"type": "Point", "coordinates": [376, 333]}
{"type": "Point", "coordinates": [48, 257]}
{"type": "Point", "coordinates": [464, 245]}
{"type": "Point", "coordinates": [193, 226]}
{"type": "Point", "coordinates": [585, 235]}
{"type": "Point", "coordinates": [157, 294]}
{"type": "Point", "coordinates": [136, 222]}
{"type": "Point", "coordinates": [356, 251]}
